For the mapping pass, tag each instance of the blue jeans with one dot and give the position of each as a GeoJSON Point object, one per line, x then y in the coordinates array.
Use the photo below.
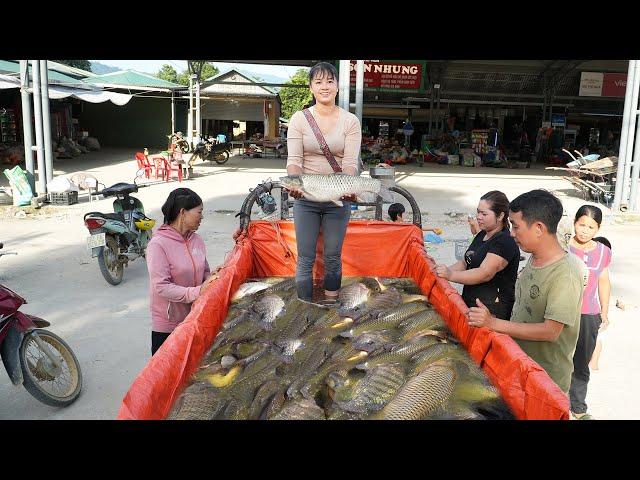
{"type": "Point", "coordinates": [308, 217]}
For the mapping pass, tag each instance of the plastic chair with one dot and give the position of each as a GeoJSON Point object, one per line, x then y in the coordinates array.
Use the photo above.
{"type": "Point", "coordinates": [158, 164]}
{"type": "Point", "coordinates": [86, 181]}
{"type": "Point", "coordinates": [169, 168]}
{"type": "Point", "coordinates": [143, 163]}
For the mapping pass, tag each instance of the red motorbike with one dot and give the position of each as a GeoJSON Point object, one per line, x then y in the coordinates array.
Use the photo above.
{"type": "Point", "coordinates": [34, 357]}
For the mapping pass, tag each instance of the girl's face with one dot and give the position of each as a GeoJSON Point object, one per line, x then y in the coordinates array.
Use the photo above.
{"type": "Point", "coordinates": [586, 228]}
{"type": "Point", "coordinates": [486, 218]}
{"type": "Point", "coordinates": [324, 88]}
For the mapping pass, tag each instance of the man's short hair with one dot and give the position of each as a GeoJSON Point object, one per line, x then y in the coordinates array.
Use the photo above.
{"type": "Point", "coordinates": [538, 206]}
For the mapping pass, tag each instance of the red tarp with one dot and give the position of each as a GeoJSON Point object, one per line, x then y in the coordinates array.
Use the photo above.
{"type": "Point", "coordinates": [371, 248]}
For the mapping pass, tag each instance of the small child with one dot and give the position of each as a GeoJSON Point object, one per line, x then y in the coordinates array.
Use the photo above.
{"type": "Point", "coordinates": [593, 364]}
{"type": "Point", "coordinates": [396, 211]}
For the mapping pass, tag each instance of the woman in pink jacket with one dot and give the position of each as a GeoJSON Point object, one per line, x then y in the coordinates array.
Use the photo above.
{"type": "Point", "coordinates": [177, 263]}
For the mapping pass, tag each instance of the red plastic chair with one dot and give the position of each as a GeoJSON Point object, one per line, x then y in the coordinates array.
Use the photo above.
{"type": "Point", "coordinates": [158, 164]}
{"type": "Point", "coordinates": [143, 163]}
{"type": "Point", "coordinates": [170, 167]}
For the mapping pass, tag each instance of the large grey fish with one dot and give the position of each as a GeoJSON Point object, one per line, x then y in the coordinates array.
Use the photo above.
{"type": "Point", "coordinates": [375, 306]}
{"type": "Point", "coordinates": [387, 320]}
{"type": "Point", "coordinates": [373, 391]}
{"type": "Point", "coordinates": [353, 296]}
{"type": "Point", "coordinates": [301, 409]}
{"type": "Point", "coordinates": [282, 286]}
{"type": "Point", "coordinates": [331, 188]}
{"type": "Point", "coordinates": [404, 284]}
{"type": "Point", "coordinates": [422, 395]}
{"type": "Point", "coordinates": [267, 309]}
{"type": "Point", "coordinates": [263, 396]}
{"type": "Point", "coordinates": [426, 357]}
{"type": "Point", "coordinates": [197, 402]}
{"type": "Point", "coordinates": [427, 320]}
{"type": "Point", "coordinates": [248, 288]}
{"type": "Point", "coordinates": [400, 355]}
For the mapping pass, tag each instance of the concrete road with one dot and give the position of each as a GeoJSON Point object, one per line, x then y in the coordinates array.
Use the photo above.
{"type": "Point", "coordinates": [108, 327]}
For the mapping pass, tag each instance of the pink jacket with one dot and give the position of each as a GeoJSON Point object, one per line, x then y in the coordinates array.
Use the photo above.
{"type": "Point", "coordinates": [177, 267]}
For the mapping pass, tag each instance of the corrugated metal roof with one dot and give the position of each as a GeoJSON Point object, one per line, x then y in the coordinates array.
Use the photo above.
{"type": "Point", "coordinates": [131, 78]}
{"type": "Point", "coordinates": [13, 67]}
{"type": "Point", "coordinates": [237, 89]}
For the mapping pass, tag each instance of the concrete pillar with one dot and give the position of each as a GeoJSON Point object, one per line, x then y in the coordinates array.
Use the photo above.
{"type": "Point", "coordinates": [26, 121]}
{"type": "Point", "coordinates": [173, 112]}
{"type": "Point", "coordinates": [41, 186]}
{"type": "Point", "coordinates": [359, 89]}
{"type": "Point", "coordinates": [631, 135]}
{"type": "Point", "coordinates": [46, 120]}
{"type": "Point", "coordinates": [627, 118]}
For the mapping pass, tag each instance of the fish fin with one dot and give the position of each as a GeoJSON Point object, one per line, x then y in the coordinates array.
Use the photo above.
{"type": "Point", "coordinates": [338, 203]}
{"type": "Point", "coordinates": [475, 392]}
{"type": "Point", "coordinates": [386, 194]}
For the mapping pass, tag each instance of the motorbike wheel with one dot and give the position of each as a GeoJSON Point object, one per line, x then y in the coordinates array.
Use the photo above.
{"type": "Point", "coordinates": [183, 145]}
{"type": "Point", "coordinates": [57, 387]}
{"type": "Point", "coordinates": [222, 158]}
{"type": "Point", "coordinates": [112, 270]}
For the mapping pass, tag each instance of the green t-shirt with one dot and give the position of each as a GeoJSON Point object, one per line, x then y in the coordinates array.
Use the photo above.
{"type": "Point", "coordinates": [553, 292]}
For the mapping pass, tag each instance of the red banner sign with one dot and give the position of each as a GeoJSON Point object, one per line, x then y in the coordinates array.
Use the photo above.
{"type": "Point", "coordinates": [378, 74]}
{"type": "Point", "coordinates": [614, 84]}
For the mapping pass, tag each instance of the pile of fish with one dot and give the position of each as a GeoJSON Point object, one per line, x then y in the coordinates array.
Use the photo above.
{"type": "Point", "coordinates": [382, 352]}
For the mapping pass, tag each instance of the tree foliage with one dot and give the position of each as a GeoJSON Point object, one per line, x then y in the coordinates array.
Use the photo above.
{"type": "Point", "coordinates": [295, 98]}
{"type": "Point", "coordinates": [208, 71]}
{"type": "Point", "coordinates": [81, 64]}
{"type": "Point", "coordinates": [168, 73]}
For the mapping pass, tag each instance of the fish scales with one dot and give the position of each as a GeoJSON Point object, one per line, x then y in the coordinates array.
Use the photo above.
{"type": "Point", "coordinates": [421, 395]}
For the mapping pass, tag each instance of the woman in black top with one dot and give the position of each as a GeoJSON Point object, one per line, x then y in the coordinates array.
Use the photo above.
{"type": "Point", "coordinates": [490, 265]}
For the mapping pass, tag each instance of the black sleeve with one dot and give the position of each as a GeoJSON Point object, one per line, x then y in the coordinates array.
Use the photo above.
{"type": "Point", "coordinates": [504, 246]}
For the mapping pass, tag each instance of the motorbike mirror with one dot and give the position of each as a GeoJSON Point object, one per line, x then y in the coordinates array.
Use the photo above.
{"type": "Point", "coordinates": [139, 174]}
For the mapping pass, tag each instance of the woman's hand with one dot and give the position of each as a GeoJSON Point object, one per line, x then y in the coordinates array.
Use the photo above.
{"type": "Point", "coordinates": [605, 322]}
{"type": "Point", "coordinates": [349, 198]}
{"type": "Point", "coordinates": [208, 281]}
{"type": "Point", "coordinates": [443, 271]}
{"type": "Point", "coordinates": [295, 193]}
{"type": "Point", "coordinates": [480, 316]}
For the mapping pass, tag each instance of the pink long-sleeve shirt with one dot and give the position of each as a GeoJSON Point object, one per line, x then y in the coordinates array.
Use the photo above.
{"type": "Point", "coordinates": [177, 268]}
{"type": "Point", "coordinates": [305, 152]}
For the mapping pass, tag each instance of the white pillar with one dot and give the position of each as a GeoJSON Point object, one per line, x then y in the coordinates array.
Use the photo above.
{"type": "Point", "coordinates": [46, 120]}
{"type": "Point", "coordinates": [359, 89]}
{"type": "Point", "coordinates": [41, 186]}
{"type": "Point", "coordinates": [198, 118]}
{"type": "Point", "coordinates": [190, 113]}
{"type": "Point", "coordinates": [627, 117]}
{"type": "Point", "coordinates": [173, 112]}
{"type": "Point", "coordinates": [343, 83]}
{"type": "Point", "coordinates": [26, 119]}
{"type": "Point", "coordinates": [631, 135]}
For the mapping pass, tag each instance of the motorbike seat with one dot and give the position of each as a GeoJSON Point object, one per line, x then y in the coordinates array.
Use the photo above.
{"type": "Point", "coordinates": [119, 188]}
{"type": "Point", "coordinates": [109, 216]}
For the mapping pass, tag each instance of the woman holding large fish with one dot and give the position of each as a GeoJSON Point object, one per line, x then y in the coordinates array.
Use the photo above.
{"type": "Point", "coordinates": [322, 141]}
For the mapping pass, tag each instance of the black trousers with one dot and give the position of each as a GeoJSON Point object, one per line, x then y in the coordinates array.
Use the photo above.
{"type": "Point", "coordinates": [589, 325]}
{"type": "Point", "coordinates": [157, 339]}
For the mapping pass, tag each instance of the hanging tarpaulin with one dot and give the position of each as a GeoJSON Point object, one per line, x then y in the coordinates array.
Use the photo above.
{"type": "Point", "coordinates": [92, 96]}
{"type": "Point", "coordinates": [9, 82]}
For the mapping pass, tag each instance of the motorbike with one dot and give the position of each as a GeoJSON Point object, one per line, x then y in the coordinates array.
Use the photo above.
{"type": "Point", "coordinates": [119, 237]}
{"type": "Point", "coordinates": [208, 149]}
{"type": "Point", "coordinates": [179, 141]}
{"type": "Point", "coordinates": [34, 357]}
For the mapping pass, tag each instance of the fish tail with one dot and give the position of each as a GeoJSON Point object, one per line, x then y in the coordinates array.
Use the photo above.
{"type": "Point", "coordinates": [386, 194]}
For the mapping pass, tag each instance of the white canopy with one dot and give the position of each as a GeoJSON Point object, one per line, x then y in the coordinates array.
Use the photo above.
{"type": "Point", "coordinates": [56, 92]}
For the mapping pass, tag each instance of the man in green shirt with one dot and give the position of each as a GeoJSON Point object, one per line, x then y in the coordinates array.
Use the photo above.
{"type": "Point", "coordinates": [545, 320]}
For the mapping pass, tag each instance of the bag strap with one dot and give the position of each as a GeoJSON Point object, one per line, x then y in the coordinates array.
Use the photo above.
{"type": "Point", "coordinates": [323, 144]}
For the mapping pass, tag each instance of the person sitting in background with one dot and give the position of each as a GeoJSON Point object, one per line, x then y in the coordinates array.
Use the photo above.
{"type": "Point", "coordinates": [396, 212]}
{"type": "Point", "coordinates": [490, 265]}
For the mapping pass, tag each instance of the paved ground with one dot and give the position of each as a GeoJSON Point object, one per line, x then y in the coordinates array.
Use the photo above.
{"type": "Point", "coordinates": [108, 327]}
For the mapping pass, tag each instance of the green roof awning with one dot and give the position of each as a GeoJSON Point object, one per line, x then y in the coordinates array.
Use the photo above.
{"type": "Point", "coordinates": [133, 80]}
{"type": "Point", "coordinates": [13, 67]}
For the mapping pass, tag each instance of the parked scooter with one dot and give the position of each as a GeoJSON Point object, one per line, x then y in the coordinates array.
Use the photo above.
{"type": "Point", "coordinates": [116, 238]}
{"type": "Point", "coordinates": [208, 149]}
{"type": "Point", "coordinates": [36, 358]}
